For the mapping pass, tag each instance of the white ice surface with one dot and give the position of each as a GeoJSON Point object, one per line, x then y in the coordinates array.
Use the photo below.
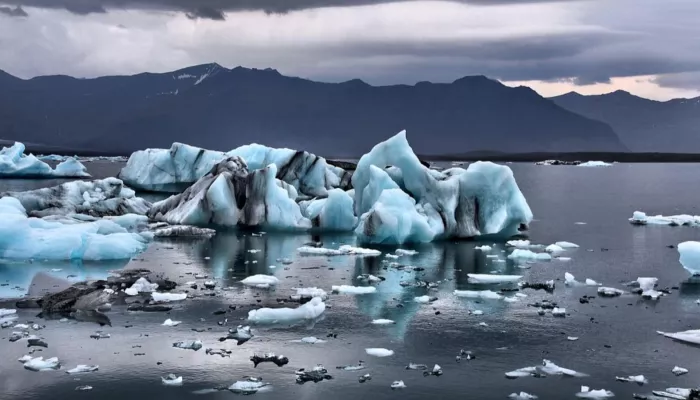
{"type": "Point", "coordinates": [492, 278]}
{"type": "Point", "coordinates": [310, 310]}
{"type": "Point", "coordinates": [39, 364]}
{"type": "Point", "coordinates": [345, 250]}
{"type": "Point", "coordinates": [168, 297]}
{"type": "Point", "coordinates": [14, 163]}
{"type": "Point", "coordinates": [690, 256]}
{"type": "Point", "coordinates": [594, 164]}
{"type": "Point", "coordinates": [379, 352]}
{"type": "Point", "coordinates": [587, 393]}
{"type": "Point", "coordinates": [170, 322]}
{"type": "Point", "coordinates": [82, 368]}
{"type": "Point", "coordinates": [689, 336]}
{"type": "Point", "coordinates": [528, 255]}
{"type": "Point", "coordinates": [346, 289]}
{"type": "Point", "coordinates": [257, 280]}
{"type": "Point", "coordinates": [478, 294]}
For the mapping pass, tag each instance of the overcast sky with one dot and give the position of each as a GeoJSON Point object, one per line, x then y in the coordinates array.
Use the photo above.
{"type": "Point", "coordinates": [648, 47]}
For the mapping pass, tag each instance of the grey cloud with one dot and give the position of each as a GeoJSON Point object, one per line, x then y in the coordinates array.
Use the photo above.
{"type": "Point", "coordinates": [684, 80]}
{"type": "Point", "coordinates": [215, 9]}
{"type": "Point", "coordinates": [13, 12]}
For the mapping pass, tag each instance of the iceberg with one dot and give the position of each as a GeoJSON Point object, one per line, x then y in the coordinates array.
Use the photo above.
{"type": "Point", "coordinates": [39, 364]}
{"type": "Point", "coordinates": [455, 203]}
{"type": "Point", "coordinates": [690, 256]}
{"type": "Point", "coordinates": [492, 278]}
{"type": "Point", "coordinates": [311, 310]}
{"type": "Point", "coordinates": [333, 213]}
{"type": "Point", "coordinates": [24, 238]}
{"type": "Point", "coordinates": [640, 218]}
{"type": "Point", "coordinates": [98, 198]}
{"type": "Point", "coordinates": [14, 163]}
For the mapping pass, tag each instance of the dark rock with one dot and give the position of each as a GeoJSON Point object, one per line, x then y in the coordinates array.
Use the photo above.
{"type": "Point", "coordinates": [546, 286]}
{"type": "Point", "coordinates": [36, 342]}
{"type": "Point", "coordinates": [269, 357]}
{"type": "Point", "coordinates": [316, 375]}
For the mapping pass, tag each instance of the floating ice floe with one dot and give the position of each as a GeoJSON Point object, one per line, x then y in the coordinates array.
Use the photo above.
{"type": "Point", "coordinates": [345, 250]}
{"type": "Point", "coordinates": [405, 252]}
{"type": "Point", "coordinates": [171, 380]}
{"type": "Point", "coordinates": [188, 345]}
{"type": "Point", "coordinates": [416, 367]}
{"type": "Point", "coordinates": [23, 238]}
{"type": "Point", "coordinates": [521, 372]}
{"type": "Point", "coordinates": [383, 322]}
{"type": "Point", "coordinates": [559, 312]}
{"type": "Point", "coordinates": [551, 368]}
{"type": "Point", "coordinates": [528, 255]}
{"type": "Point", "coordinates": [248, 386]}
{"type": "Point", "coordinates": [261, 281]}
{"type": "Point", "coordinates": [492, 278]}
{"type": "Point", "coordinates": [379, 352]}
{"type": "Point", "coordinates": [519, 244]}
{"type": "Point", "coordinates": [311, 310]}
{"type": "Point", "coordinates": [483, 248]}
{"type": "Point", "coordinates": [167, 297]}
{"type": "Point", "coordinates": [640, 218]}
{"type": "Point", "coordinates": [554, 248]}
{"type": "Point", "coordinates": [478, 294]}
{"type": "Point", "coordinates": [317, 374]}
{"type": "Point", "coordinates": [424, 299]}
{"type": "Point", "coordinates": [170, 322]}
{"type": "Point", "coordinates": [142, 285]}
{"type": "Point", "coordinates": [522, 396]}
{"type": "Point", "coordinates": [369, 278]}
{"type": "Point", "coordinates": [15, 164]}
{"type": "Point", "coordinates": [609, 292]}
{"type": "Point", "coordinates": [345, 289]}
{"type": "Point", "coordinates": [587, 393]}
{"type": "Point", "coordinates": [639, 379]}
{"type": "Point", "coordinates": [572, 338]}
{"type": "Point", "coordinates": [309, 292]}
{"type": "Point", "coordinates": [398, 385]}
{"type": "Point", "coordinates": [570, 280]}
{"type": "Point", "coordinates": [594, 164]}
{"type": "Point", "coordinates": [309, 340]}
{"type": "Point", "coordinates": [7, 311]}
{"type": "Point", "coordinates": [81, 369]}
{"type": "Point", "coordinates": [647, 286]}
{"type": "Point", "coordinates": [241, 334]}
{"type": "Point", "coordinates": [678, 371]}
{"type": "Point", "coordinates": [689, 336]}
{"type": "Point", "coordinates": [690, 256]}
{"type": "Point", "coordinates": [567, 245]}
{"type": "Point", "coordinates": [39, 364]}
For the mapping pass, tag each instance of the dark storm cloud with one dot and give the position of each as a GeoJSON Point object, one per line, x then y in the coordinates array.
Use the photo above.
{"type": "Point", "coordinates": [215, 9]}
{"type": "Point", "coordinates": [686, 80]}
{"type": "Point", "coordinates": [13, 12]}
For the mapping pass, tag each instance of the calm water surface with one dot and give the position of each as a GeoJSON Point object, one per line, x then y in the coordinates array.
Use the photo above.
{"type": "Point", "coordinates": [617, 336]}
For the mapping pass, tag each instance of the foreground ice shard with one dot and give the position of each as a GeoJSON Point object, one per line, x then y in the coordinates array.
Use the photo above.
{"type": "Point", "coordinates": [14, 163]}
{"type": "Point", "coordinates": [456, 203]}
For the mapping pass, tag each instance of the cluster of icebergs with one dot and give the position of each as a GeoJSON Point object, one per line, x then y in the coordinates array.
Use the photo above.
{"type": "Point", "coordinates": [390, 198]}
{"type": "Point", "coordinates": [14, 163]}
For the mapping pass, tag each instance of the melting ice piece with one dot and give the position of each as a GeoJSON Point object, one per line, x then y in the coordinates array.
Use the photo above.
{"type": "Point", "coordinates": [364, 378]}
{"type": "Point", "coordinates": [572, 338]}
{"type": "Point", "coordinates": [383, 322]}
{"type": "Point", "coordinates": [241, 334]}
{"type": "Point", "coordinates": [345, 289]}
{"type": "Point", "coordinates": [345, 250]}
{"type": "Point", "coordinates": [492, 278]}
{"type": "Point", "coordinates": [39, 364]}
{"type": "Point", "coordinates": [83, 388]}
{"type": "Point", "coordinates": [171, 380]}
{"type": "Point", "coordinates": [168, 297]}
{"type": "Point", "coordinates": [522, 396]}
{"type": "Point", "coordinates": [587, 393]}
{"type": "Point", "coordinates": [358, 367]}
{"type": "Point", "coordinates": [640, 379]}
{"type": "Point", "coordinates": [567, 245]}
{"type": "Point", "coordinates": [478, 294]}
{"type": "Point", "coordinates": [405, 252]}
{"type": "Point", "coordinates": [559, 312]}
{"type": "Point", "coordinates": [398, 385]}
{"type": "Point", "coordinates": [142, 285]}
{"type": "Point", "coordinates": [551, 368]}
{"type": "Point", "coordinates": [424, 299]}
{"type": "Point", "coordinates": [594, 164]}
{"type": "Point", "coordinates": [678, 371]}
{"type": "Point", "coordinates": [553, 248]}
{"type": "Point", "coordinates": [689, 336]}
{"type": "Point", "coordinates": [379, 352]}
{"type": "Point", "coordinates": [278, 360]}
{"type": "Point", "coordinates": [419, 367]}
{"type": "Point", "coordinates": [14, 163]}
{"type": "Point", "coordinates": [261, 281]}
{"type": "Point", "coordinates": [521, 372]}
{"type": "Point", "coordinates": [520, 244]}
{"type": "Point", "coordinates": [81, 369]}
{"type": "Point", "coordinates": [640, 218]}
{"type": "Point", "coordinates": [309, 292]}
{"type": "Point", "coordinates": [188, 345]}
{"type": "Point", "coordinates": [690, 256]}
{"type": "Point", "coordinates": [309, 340]}
{"type": "Point", "coordinates": [528, 255]}
{"type": "Point", "coordinates": [248, 386]}
{"type": "Point", "coordinates": [369, 278]}
{"type": "Point", "coordinates": [311, 310]}
{"type": "Point", "coordinates": [609, 292]}
{"type": "Point", "coordinates": [591, 282]}
{"type": "Point", "coordinates": [437, 371]}
{"type": "Point", "coordinates": [170, 322]}
{"type": "Point", "coordinates": [483, 248]}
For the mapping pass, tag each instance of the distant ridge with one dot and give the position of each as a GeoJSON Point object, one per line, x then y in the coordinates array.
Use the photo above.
{"type": "Point", "coordinates": [219, 108]}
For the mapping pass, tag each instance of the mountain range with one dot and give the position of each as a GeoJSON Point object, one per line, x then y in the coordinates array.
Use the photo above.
{"type": "Point", "coordinates": [219, 108]}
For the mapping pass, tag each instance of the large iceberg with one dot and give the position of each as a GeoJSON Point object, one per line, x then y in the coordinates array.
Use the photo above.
{"type": "Point", "coordinates": [333, 213]}
{"type": "Point", "coordinates": [229, 195]}
{"type": "Point", "coordinates": [105, 197]}
{"type": "Point", "coordinates": [22, 237]}
{"type": "Point", "coordinates": [482, 200]}
{"type": "Point", "coordinates": [175, 169]}
{"type": "Point", "coordinates": [14, 163]}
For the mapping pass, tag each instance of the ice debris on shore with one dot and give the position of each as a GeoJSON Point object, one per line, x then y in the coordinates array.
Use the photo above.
{"type": "Point", "coordinates": [15, 164]}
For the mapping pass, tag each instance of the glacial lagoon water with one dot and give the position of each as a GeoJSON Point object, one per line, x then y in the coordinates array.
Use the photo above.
{"type": "Point", "coordinates": [617, 336]}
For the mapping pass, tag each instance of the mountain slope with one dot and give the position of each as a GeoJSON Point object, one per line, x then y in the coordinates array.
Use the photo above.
{"type": "Point", "coordinates": [219, 108]}
{"type": "Point", "coordinates": [642, 124]}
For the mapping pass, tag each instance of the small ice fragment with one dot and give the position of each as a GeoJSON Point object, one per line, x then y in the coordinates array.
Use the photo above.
{"type": "Point", "coordinates": [477, 312]}
{"type": "Point", "coordinates": [572, 338]}
{"type": "Point", "coordinates": [569, 279]}
{"type": "Point", "coordinates": [172, 380]}
{"type": "Point", "coordinates": [210, 284]}
{"type": "Point", "coordinates": [309, 292]}
{"type": "Point", "coordinates": [278, 360]}
{"type": "Point", "coordinates": [345, 289]}
{"type": "Point", "coordinates": [81, 369]}
{"type": "Point", "coordinates": [364, 378]}
{"type": "Point", "coordinates": [566, 245]}
{"type": "Point", "coordinates": [587, 393]}
{"type": "Point", "coordinates": [398, 385]}
{"type": "Point", "coordinates": [83, 388]}
{"type": "Point", "coordinates": [358, 367]}
{"type": "Point", "coordinates": [344, 250]}
{"type": "Point", "coordinates": [24, 358]}
{"type": "Point", "coordinates": [382, 321]}
{"type": "Point", "coordinates": [39, 364]}
{"type": "Point", "coordinates": [609, 292]}
{"type": "Point", "coordinates": [404, 252]}
{"type": "Point", "coordinates": [521, 244]}
{"type": "Point", "coordinates": [521, 372]}
{"type": "Point", "coordinates": [21, 326]}
{"type": "Point", "coordinates": [56, 270]}
{"type": "Point", "coordinates": [248, 386]}
{"type": "Point", "coordinates": [678, 371]}
{"type": "Point", "coordinates": [489, 279]}
{"type": "Point", "coordinates": [551, 368]}
{"type": "Point", "coordinates": [483, 248]}
{"type": "Point", "coordinates": [483, 324]}
{"type": "Point", "coordinates": [580, 223]}
{"type": "Point", "coordinates": [424, 299]}
{"type": "Point", "coordinates": [379, 352]}
{"type": "Point", "coordinates": [142, 285]}
{"type": "Point", "coordinates": [690, 336]}
{"type": "Point", "coordinates": [100, 335]}
{"type": "Point", "coordinates": [437, 371]}
{"type": "Point", "coordinates": [478, 294]}
{"type": "Point", "coordinates": [419, 367]}
{"type": "Point", "coordinates": [201, 276]}
{"type": "Point", "coordinates": [369, 278]}
{"type": "Point", "coordinates": [170, 322]}
{"type": "Point", "coordinates": [640, 379]}
{"type": "Point", "coordinates": [553, 248]}
{"type": "Point", "coordinates": [528, 255]}
{"type": "Point", "coordinates": [563, 258]}
{"type": "Point", "coordinates": [257, 280]}
{"type": "Point", "coordinates": [591, 282]}
{"type": "Point", "coordinates": [167, 297]}
{"type": "Point", "coordinates": [310, 310]}
{"type": "Point", "coordinates": [559, 312]}
{"type": "Point", "coordinates": [310, 340]}
{"type": "Point", "coordinates": [522, 396]}
{"type": "Point", "coordinates": [188, 345]}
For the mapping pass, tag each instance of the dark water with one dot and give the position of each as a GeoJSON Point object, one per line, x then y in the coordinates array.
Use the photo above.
{"type": "Point", "coordinates": [515, 336]}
